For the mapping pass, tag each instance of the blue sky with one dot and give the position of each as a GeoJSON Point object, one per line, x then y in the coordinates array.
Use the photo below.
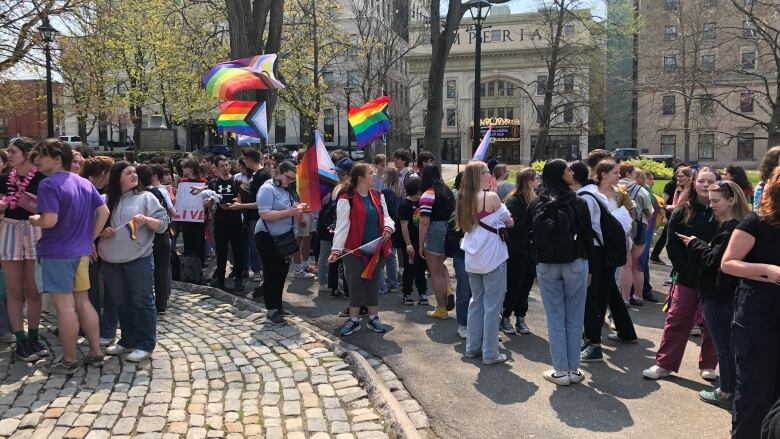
{"type": "Point", "coordinates": [598, 6]}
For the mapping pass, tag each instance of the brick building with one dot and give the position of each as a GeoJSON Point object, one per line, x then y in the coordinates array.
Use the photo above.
{"type": "Point", "coordinates": [23, 109]}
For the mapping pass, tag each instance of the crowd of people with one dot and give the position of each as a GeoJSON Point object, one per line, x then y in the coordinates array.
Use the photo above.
{"type": "Point", "coordinates": [98, 239]}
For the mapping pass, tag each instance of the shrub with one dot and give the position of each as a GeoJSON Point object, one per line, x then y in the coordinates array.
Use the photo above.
{"type": "Point", "coordinates": [659, 169]}
{"type": "Point", "coordinates": [538, 165]}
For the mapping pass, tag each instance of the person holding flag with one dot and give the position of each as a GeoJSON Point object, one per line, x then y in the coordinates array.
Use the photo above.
{"type": "Point", "coordinates": [362, 239]}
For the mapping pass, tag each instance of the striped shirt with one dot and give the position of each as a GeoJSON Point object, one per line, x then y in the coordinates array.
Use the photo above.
{"type": "Point", "coordinates": [436, 209]}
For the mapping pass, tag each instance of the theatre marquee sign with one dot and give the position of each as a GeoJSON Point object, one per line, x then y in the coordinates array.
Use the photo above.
{"type": "Point", "coordinates": [504, 130]}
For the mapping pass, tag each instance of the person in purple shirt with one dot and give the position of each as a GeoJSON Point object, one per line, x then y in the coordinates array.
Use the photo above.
{"type": "Point", "coordinates": [72, 214]}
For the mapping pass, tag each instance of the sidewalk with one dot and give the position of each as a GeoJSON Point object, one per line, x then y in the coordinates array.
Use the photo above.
{"type": "Point", "coordinates": [217, 372]}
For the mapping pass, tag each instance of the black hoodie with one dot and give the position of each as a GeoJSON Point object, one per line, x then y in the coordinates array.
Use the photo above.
{"type": "Point", "coordinates": [713, 283]}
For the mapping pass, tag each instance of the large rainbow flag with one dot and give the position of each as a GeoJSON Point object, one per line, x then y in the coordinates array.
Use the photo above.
{"type": "Point", "coordinates": [484, 145]}
{"type": "Point", "coordinates": [315, 174]}
{"type": "Point", "coordinates": [245, 118]}
{"type": "Point", "coordinates": [225, 79]}
{"type": "Point", "coordinates": [370, 121]}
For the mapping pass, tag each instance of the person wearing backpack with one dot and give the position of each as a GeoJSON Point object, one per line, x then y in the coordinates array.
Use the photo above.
{"type": "Point", "coordinates": [632, 274]}
{"type": "Point", "coordinates": [608, 254]}
{"type": "Point", "coordinates": [562, 241]}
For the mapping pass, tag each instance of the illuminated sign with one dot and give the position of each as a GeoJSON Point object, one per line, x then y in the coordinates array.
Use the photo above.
{"type": "Point", "coordinates": [504, 130]}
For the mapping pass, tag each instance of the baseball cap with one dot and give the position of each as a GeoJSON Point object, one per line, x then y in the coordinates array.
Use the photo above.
{"type": "Point", "coordinates": [344, 166]}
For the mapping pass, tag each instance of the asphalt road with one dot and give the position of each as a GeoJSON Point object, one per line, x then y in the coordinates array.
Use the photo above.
{"type": "Point", "coordinates": [467, 400]}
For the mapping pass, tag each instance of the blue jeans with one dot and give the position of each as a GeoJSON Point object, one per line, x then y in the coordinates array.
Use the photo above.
{"type": "Point", "coordinates": [130, 284]}
{"type": "Point", "coordinates": [487, 300]}
{"type": "Point", "coordinates": [564, 290]}
{"type": "Point", "coordinates": [462, 290]}
{"type": "Point", "coordinates": [718, 314]}
{"type": "Point", "coordinates": [252, 259]}
{"type": "Point", "coordinates": [391, 264]}
{"type": "Point", "coordinates": [106, 310]}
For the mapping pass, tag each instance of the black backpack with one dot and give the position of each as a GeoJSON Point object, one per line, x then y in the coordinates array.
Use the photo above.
{"type": "Point", "coordinates": [555, 233]}
{"type": "Point", "coordinates": [614, 244]}
{"type": "Point", "coordinates": [327, 219]}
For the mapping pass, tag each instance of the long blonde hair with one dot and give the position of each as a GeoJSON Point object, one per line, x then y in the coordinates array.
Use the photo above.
{"type": "Point", "coordinates": [466, 205]}
{"type": "Point", "coordinates": [391, 181]}
{"type": "Point", "coordinates": [731, 190]}
{"type": "Point", "coordinates": [523, 186]}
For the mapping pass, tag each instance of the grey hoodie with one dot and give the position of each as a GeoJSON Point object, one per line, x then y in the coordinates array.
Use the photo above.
{"type": "Point", "coordinates": [121, 248]}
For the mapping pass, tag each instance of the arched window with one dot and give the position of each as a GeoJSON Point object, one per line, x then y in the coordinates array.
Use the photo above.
{"type": "Point", "coordinates": [497, 88]}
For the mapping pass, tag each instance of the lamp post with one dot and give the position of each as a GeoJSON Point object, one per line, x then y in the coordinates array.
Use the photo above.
{"type": "Point", "coordinates": [338, 123]}
{"type": "Point", "coordinates": [348, 92]}
{"type": "Point", "coordinates": [47, 35]}
{"type": "Point", "coordinates": [479, 11]}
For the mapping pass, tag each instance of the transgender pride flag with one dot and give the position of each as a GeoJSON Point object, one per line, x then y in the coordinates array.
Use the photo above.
{"type": "Point", "coordinates": [482, 150]}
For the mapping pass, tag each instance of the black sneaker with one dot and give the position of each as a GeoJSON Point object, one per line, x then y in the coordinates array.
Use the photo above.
{"type": "Point", "coordinates": [657, 260]}
{"type": "Point", "coordinates": [284, 313]}
{"type": "Point", "coordinates": [39, 348]}
{"type": "Point", "coordinates": [25, 352]}
{"type": "Point", "coordinates": [276, 318]}
{"type": "Point", "coordinates": [63, 368]}
{"type": "Point", "coordinates": [408, 300]}
{"type": "Point", "coordinates": [450, 302]}
{"type": "Point", "coordinates": [344, 312]}
{"type": "Point", "coordinates": [349, 327]}
{"type": "Point", "coordinates": [506, 325]}
{"type": "Point", "coordinates": [219, 284]}
{"type": "Point", "coordinates": [635, 302]}
{"type": "Point", "coordinates": [423, 300]}
{"type": "Point", "coordinates": [591, 354]}
{"type": "Point", "coordinates": [238, 285]}
{"type": "Point", "coordinates": [521, 327]}
{"type": "Point", "coordinates": [335, 294]}
{"type": "Point", "coordinates": [583, 344]}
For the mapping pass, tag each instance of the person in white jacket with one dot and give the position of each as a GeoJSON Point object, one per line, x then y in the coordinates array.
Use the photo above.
{"type": "Point", "coordinates": [481, 216]}
{"type": "Point", "coordinates": [363, 229]}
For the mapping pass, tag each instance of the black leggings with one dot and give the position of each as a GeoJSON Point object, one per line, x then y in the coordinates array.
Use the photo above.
{"type": "Point", "coordinates": [520, 275]}
{"type": "Point", "coordinates": [659, 245]}
{"type": "Point", "coordinates": [275, 270]}
{"type": "Point", "coordinates": [194, 236]}
{"type": "Point", "coordinates": [161, 253]}
{"type": "Point", "coordinates": [229, 232]}
{"type": "Point", "coordinates": [603, 292]}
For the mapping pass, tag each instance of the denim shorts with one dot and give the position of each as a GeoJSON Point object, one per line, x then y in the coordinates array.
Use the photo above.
{"type": "Point", "coordinates": [434, 240]}
{"type": "Point", "coordinates": [62, 275]}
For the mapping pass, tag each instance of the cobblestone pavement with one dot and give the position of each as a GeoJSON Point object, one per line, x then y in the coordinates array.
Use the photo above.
{"type": "Point", "coordinates": [217, 372]}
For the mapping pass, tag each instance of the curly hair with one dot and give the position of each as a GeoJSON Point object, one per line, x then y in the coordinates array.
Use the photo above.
{"type": "Point", "coordinates": [769, 207]}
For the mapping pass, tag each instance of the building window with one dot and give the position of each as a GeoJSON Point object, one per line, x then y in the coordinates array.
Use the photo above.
{"type": "Point", "coordinates": [707, 104]}
{"type": "Point", "coordinates": [510, 113]}
{"type": "Point", "coordinates": [568, 29]}
{"type": "Point", "coordinates": [491, 112]}
{"type": "Point", "coordinates": [671, 5]}
{"type": "Point", "coordinates": [568, 83]}
{"type": "Point", "coordinates": [327, 77]}
{"type": "Point", "coordinates": [352, 78]}
{"type": "Point", "coordinates": [668, 145]}
{"type": "Point", "coordinates": [481, 113]}
{"type": "Point", "coordinates": [452, 89]}
{"type": "Point", "coordinates": [708, 63]}
{"type": "Point", "coordinates": [539, 111]}
{"type": "Point", "coordinates": [491, 88]}
{"type": "Point", "coordinates": [748, 2]}
{"type": "Point", "coordinates": [541, 85]}
{"type": "Point", "coordinates": [748, 59]}
{"type": "Point", "coordinates": [670, 63]}
{"type": "Point", "coordinates": [495, 36]}
{"type": "Point", "coordinates": [3, 124]}
{"type": "Point", "coordinates": [280, 127]}
{"type": "Point", "coordinates": [707, 146]}
{"type": "Point", "coordinates": [745, 146]}
{"type": "Point", "coordinates": [353, 48]}
{"type": "Point", "coordinates": [510, 88]}
{"type": "Point", "coordinates": [450, 117]}
{"type": "Point", "coordinates": [710, 31]}
{"type": "Point", "coordinates": [670, 33]}
{"type": "Point", "coordinates": [501, 89]}
{"type": "Point", "coordinates": [568, 113]}
{"type": "Point", "coordinates": [500, 113]}
{"type": "Point", "coordinates": [748, 29]}
{"type": "Point", "coordinates": [668, 106]}
{"type": "Point", "coordinates": [710, 3]}
{"type": "Point", "coordinates": [746, 102]}
{"type": "Point", "coordinates": [329, 125]}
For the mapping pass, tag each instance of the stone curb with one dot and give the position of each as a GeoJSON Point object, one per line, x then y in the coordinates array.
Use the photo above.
{"type": "Point", "coordinates": [363, 364]}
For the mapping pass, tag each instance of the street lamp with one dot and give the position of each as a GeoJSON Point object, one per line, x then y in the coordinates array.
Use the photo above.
{"type": "Point", "coordinates": [348, 91]}
{"type": "Point", "coordinates": [479, 10]}
{"type": "Point", "coordinates": [48, 33]}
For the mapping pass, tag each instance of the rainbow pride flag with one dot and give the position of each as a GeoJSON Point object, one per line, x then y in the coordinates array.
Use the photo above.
{"type": "Point", "coordinates": [373, 248]}
{"type": "Point", "coordinates": [227, 78]}
{"type": "Point", "coordinates": [370, 121]}
{"type": "Point", "coordinates": [325, 166]}
{"type": "Point", "coordinates": [246, 118]}
{"type": "Point", "coordinates": [132, 228]}
{"type": "Point", "coordinates": [484, 145]}
{"type": "Point", "coordinates": [315, 170]}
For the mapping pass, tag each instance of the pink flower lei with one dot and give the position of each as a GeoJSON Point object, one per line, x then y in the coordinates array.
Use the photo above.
{"type": "Point", "coordinates": [16, 188]}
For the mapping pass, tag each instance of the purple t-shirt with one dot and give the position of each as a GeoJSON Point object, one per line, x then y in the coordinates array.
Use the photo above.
{"type": "Point", "coordinates": [74, 200]}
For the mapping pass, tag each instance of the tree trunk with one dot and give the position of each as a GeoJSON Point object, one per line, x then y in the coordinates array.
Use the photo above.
{"type": "Point", "coordinates": [82, 123]}
{"type": "Point", "coordinates": [136, 115]}
{"type": "Point", "coordinates": [543, 140]}
{"type": "Point", "coordinates": [102, 129]}
{"type": "Point", "coordinates": [687, 129]}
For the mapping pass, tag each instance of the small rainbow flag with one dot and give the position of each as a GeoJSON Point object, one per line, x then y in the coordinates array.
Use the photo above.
{"type": "Point", "coordinates": [246, 118]}
{"type": "Point", "coordinates": [314, 171]}
{"type": "Point", "coordinates": [370, 121]}
{"type": "Point", "coordinates": [226, 79]}
{"type": "Point", "coordinates": [482, 150]}
{"type": "Point", "coordinates": [325, 165]}
{"type": "Point", "coordinates": [373, 248]}
{"type": "Point", "coordinates": [131, 227]}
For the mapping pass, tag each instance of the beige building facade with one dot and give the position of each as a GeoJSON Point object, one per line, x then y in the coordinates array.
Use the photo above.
{"type": "Point", "coordinates": [700, 89]}
{"type": "Point", "coordinates": [514, 68]}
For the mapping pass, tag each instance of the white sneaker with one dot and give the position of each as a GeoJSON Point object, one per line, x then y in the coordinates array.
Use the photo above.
{"type": "Point", "coordinates": [105, 341]}
{"type": "Point", "coordinates": [709, 374]}
{"type": "Point", "coordinates": [117, 349]}
{"type": "Point", "coordinates": [558, 377]}
{"type": "Point", "coordinates": [655, 372]}
{"type": "Point", "coordinates": [257, 278]}
{"type": "Point", "coordinates": [138, 355]}
{"type": "Point", "coordinates": [462, 332]}
{"type": "Point", "coordinates": [302, 274]}
{"type": "Point", "coordinates": [696, 331]}
{"type": "Point", "coordinates": [7, 338]}
{"type": "Point", "coordinates": [575, 376]}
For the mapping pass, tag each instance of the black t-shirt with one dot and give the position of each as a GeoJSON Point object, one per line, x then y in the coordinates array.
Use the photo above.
{"type": "Point", "coordinates": [228, 189]}
{"type": "Point", "coordinates": [19, 213]}
{"type": "Point", "coordinates": [249, 190]}
{"type": "Point", "coordinates": [764, 251]}
{"type": "Point", "coordinates": [669, 189]}
{"type": "Point", "coordinates": [409, 210]}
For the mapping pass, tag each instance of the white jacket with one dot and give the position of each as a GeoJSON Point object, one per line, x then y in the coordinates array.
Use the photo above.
{"type": "Point", "coordinates": [342, 222]}
{"type": "Point", "coordinates": [594, 209]}
{"type": "Point", "coordinates": [485, 250]}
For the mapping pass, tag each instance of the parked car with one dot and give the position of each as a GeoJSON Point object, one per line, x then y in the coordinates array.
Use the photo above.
{"type": "Point", "coordinates": [215, 150]}
{"type": "Point", "coordinates": [622, 154]}
{"type": "Point", "coordinates": [358, 154]}
{"type": "Point", "coordinates": [73, 140]}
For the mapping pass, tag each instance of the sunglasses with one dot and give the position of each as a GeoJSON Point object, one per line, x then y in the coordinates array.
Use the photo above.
{"type": "Point", "coordinates": [723, 184]}
{"type": "Point", "coordinates": [18, 141]}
